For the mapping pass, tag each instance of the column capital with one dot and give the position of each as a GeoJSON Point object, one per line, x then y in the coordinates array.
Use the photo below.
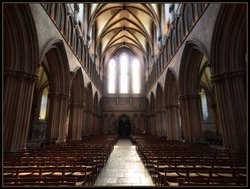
{"type": "Point", "coordinates": [22, 74]}
{"type": "Point", "coordinates": [228, 74]}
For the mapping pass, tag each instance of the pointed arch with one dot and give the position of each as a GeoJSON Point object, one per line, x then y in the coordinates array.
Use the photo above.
{"type": "Point", "coordinates": [21, 59]}
{"type": "Point", "coordinates": [171, 90]}
{"type": "Point", "coordinates": [189, 85]}
{"type": "Point", "coordinates": [76, 106]}
{"type": "Point", "coordinates": [171, 93]}
{"type": "Point", "coordinates": [159, 109]}
{"type": "Point", "coordinates": [228, 69]}
{"type": "Point", "coordinates": [159, 97]}
{"type": "Point", "coordinates": [55, 63]}
{"type": "Point", "coordinates": [189, 66]}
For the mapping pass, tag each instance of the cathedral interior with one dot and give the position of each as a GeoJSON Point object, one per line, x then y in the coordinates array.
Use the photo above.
{"type": "Point", "coordinates": [124, 94]}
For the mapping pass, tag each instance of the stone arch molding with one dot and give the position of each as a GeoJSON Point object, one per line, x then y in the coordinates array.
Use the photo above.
{"type": "Point", "coordinates": [189, 82]}
{"type": "Point", "coordinates": [228, 69]}
{"type": "Point", "coordinates": [189, 56]}
{"type": "Point", "coordinates": [21, 57]}
{"type": "Point", "coordinates": [59, 65]}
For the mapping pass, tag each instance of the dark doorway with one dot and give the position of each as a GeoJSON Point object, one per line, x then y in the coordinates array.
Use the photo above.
{"type": "Point", "coordinates": [124, 127]}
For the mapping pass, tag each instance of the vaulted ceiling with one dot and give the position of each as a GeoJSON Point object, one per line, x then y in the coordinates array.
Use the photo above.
{"type": "Point", "coordinates": [124, 25]}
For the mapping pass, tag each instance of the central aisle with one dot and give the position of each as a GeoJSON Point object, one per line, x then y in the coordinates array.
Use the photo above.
{"type": "Point", "coordinates": [124, 168]}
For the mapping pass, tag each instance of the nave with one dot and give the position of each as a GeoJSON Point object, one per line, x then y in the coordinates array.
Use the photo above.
{"type": "Point", "coordinates": [79, 77]}
{"type": "Point", "coordinates": [110, 161]}
{"type": "Point", "coordinates": [124, 167]}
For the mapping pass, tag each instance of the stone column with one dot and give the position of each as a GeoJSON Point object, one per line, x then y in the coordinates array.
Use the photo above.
{"type": "Point", "coordinates": [160, 124]}
{"type": "Point", "coordinates": [105, 124]}
{"type": "Point", "coordinates": [57, 117]}
{"type": "Point", "coordinates": [176, 130]}
{"type": "Point", "coordinates": [158, 118]}
{"type": "Point", "coordinates": [172, 113]}
{"type": "Point", "coordinates": [157, 123]}
{"type": "Point", "coordinates": [90, 122]}
{"type": "Point", "coordinates": [99, 126]}
{"type": "Point", "coordinates": [191, 116]}
{"type": "Point", "coordinates": [18, 96]}
{"type": "Point", "coordinates": [150, 124]}
{"type": "Point", "coordinates": [168, 118]}
{"type": "Point", "coordinates": [177, 120]}
{"type": "Point", "coordinates": [163, 122]}
{"type": "Point", "coordinates": [85, 122]}
{"type": "Point", "coordinates": [154, 125]}
{"type": "Point", "coordinates": [95, 123]}
{"type": "Point", "coordinates": [77, 121]}
{"type": "Point", "coordinates": [230, 91]}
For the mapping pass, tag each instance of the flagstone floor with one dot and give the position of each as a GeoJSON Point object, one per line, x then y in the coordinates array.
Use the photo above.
{"type": "Point", "coordinates": [124, 168]}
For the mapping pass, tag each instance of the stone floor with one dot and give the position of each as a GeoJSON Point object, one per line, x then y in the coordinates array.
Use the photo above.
{"type": "Point", "coordinates": [124, 168]}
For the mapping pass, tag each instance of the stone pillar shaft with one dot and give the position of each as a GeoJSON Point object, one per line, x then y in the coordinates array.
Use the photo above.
{"type": "Point", "coordinates": [57, 117]}
{"type": "Point", "coordinates": [84, 123]}
{"type": "Point", "coordinates": [18, 96]}
{"type": "Point", "coordinates": [77, 121]}
{"type": "Point", "coordinates": [158, 124]}
{"type": "Point", "coordinates": [230, 93]}
{"type": "Point", "coordinates": [191, 117]}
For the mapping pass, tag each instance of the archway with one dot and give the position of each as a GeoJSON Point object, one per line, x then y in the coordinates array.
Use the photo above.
{"type": "Point", "coordinates": [40, 108]}
{"type": "Point", "coordinates": [21, 58]}
{"type": "Point", "coordinates": [76, 106]}
{"type": "Point", "coordinates": [55, 63]}
{"type": "Point", "coordinates": [124, 126]}
{"type": "Point", "coordinates": [171, 93]}
{"type": "Point", "coordinates": [189, 85]}
{"type": "Point", "coordinates": [229, 74]}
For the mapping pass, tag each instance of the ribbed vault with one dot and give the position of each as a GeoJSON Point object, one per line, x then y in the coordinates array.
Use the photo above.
{"type": "Point", "coordinates": [120, 25]}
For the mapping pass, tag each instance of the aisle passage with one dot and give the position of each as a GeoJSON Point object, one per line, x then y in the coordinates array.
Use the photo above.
{"type": "Point", "coordinates": [124, 168]}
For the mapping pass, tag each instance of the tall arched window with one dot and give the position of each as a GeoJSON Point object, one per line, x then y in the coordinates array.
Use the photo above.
{"type": "Point", "coordinates": [123, 73]}
{"type": "Point", "coordinates": [111, 76]}
{"type": "Point", "coordinates": [43, 107]}
{"type": "Point", "coordinates": [204, 106]}
{"type": "Point", "coordinates": [125, 70]}
{"type": "Point", "coordinates": [136, 76]}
